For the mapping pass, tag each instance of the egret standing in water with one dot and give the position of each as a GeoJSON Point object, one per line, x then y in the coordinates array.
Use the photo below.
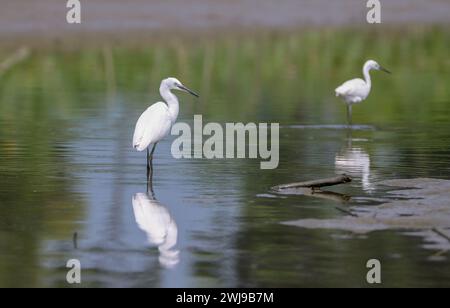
{"type": "Point", "coordinates": [357, 90]}
{"type": "Point", "coordinates": [156, 122]}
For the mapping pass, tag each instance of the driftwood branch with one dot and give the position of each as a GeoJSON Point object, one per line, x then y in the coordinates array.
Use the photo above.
{"type": "Point", "coordinates": [311, 192]}
{"type": "Point", "coordinates": [342, 179]}
{"type": "Point", "coordinates": [441, 233]}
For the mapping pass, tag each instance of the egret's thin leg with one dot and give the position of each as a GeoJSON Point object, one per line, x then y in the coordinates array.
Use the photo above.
{"type": "Point", "coordinates": [150, 163]}
{"type": "Point", "coordinates": [349, 114]}
{"type": "Point", "coordinates": [153, 150]}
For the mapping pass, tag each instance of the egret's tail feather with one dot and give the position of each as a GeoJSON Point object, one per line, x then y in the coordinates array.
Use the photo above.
{"type": "Point", "coordinates": [137, 147]}
{"type": "Point", "coordinates": [339, 91]}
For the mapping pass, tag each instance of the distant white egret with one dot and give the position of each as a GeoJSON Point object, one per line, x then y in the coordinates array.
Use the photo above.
{"type": "Point", "coordinates": [156, 122]}
{"type": "Point", "coordinates": [357, 90]}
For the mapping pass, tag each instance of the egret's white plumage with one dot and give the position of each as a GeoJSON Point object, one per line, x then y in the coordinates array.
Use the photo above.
{"type": "Point", "coordinates": [357, 90]}
{"type": "Point", "coordinates": [354, 91]}
{"type": "Point", "coordinates": [153, 125]}
{"type": "Point", "coordinates": [156, 122]}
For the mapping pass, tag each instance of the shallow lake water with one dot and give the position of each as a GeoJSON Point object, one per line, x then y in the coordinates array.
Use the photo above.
{"type": "Point", "coordinates": [71, 186]}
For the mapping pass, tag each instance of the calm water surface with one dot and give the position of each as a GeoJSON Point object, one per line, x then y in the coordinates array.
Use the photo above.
{"type": "Point", "coordinates": [67, 166]}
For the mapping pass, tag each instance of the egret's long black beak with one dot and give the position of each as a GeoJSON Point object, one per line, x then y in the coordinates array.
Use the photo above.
{"type": "Point", "coordinates": [385, 70]}
{"type": "Point", "coordinates": [183, 88]}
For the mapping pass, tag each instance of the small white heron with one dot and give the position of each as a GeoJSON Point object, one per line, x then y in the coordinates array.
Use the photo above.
{"type": "Point", "coordinates": [357, 90]}
{"type": "Point", "coordinates": [156, 122]}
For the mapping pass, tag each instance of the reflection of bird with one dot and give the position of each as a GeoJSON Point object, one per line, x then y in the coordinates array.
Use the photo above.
{"type": "Point", "coordinates": [357, 90]}
{"type": "Point", "coordinates": [355, 161]}
{"type": "Point", "coordinates": [155, 123]}
{"type": "Point", "coordinates": [155, 220]}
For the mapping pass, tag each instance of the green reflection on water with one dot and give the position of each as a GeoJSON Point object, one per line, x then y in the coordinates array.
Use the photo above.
{"type": "Point", "coordinates": [288, 77]}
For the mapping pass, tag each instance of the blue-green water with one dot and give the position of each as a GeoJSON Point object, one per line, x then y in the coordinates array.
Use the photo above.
{"type": "Point", "coordinates": [67, 165]}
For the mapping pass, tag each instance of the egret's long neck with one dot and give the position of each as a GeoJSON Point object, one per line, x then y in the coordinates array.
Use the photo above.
{"type": "Point", "coordinates": [172, 102]}
{"type": "Point", "coordinates": [366, 72]}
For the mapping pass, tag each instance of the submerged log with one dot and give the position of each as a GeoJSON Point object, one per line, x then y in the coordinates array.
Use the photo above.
{"type": "Point", "coordinates": [75, 240]}
{"type": "Point", "coordinates": [316, 193]}
{"type": "Point", "coordinates": [342, 179]}
{"type": "Point", "coordinates": [345, 211]}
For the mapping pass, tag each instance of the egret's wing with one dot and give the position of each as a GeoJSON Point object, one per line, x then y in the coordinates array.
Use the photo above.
{"type": "Point", "coordinates": [153, 125]}
{"type": "Point", "coordinates": [355, 87]}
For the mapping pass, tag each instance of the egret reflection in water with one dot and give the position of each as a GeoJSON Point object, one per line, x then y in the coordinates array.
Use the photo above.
{"type": "Point", "coordinates": [355, 161]}
{"type": "Point", "coordinates": [154, 219]}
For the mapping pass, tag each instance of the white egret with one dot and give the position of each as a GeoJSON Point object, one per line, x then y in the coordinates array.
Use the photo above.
{"type": "Point", "coordinates": [156, 122]}
{"type": "Point", "coordinates": [357, 90]}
